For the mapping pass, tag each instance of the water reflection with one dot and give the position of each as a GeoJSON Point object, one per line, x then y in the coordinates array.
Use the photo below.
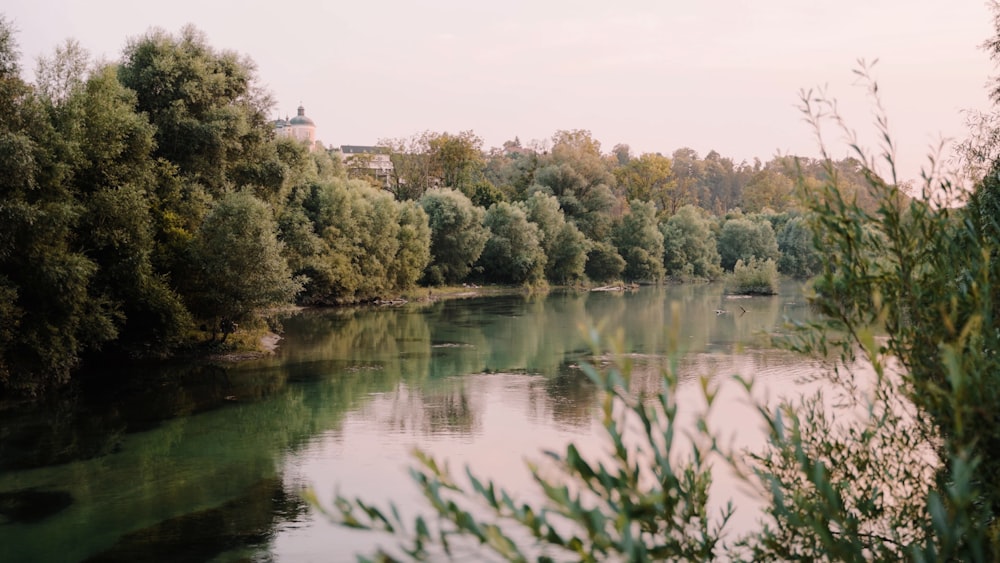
{"type": "Point", "coordinates": [175, 449]}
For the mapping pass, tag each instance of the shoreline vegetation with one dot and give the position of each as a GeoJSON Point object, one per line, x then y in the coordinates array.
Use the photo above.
{"type": "Point", "coordinates": [174, 212]}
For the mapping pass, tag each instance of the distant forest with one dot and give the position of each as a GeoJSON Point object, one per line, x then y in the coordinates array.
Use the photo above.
{"type": "Point", "coordinates": [148, 197]}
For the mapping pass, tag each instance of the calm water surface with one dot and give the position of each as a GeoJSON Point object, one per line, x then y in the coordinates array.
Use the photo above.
{"type": "Point", "coordinates": [204, 462]}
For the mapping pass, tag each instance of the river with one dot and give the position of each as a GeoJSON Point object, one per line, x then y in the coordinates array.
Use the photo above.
{"type": "Point", "coordinates": [204, 462]}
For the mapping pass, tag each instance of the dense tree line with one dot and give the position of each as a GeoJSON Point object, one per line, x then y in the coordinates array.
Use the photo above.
{"type": "Point", "coordinates": [144, 197]}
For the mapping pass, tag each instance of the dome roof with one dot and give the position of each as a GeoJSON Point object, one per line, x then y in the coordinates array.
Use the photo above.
{"type": "Point", "coordinates": [301, 118]}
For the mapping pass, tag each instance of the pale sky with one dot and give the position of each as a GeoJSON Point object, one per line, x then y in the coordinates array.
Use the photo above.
{"type": "Point", "coordinates": [657, 75]}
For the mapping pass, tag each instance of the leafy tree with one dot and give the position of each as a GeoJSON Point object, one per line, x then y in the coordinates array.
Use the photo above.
{"type": "Point", "coordinates": [689, 171]}
{"type": "Point", "coordinates": [649, 178]}
{"type": "Point", "coordinates": [640, 242]}
{"type": "Point", "coordinates": [512, 169]}
{"type": "Point", "coordinates": [240, 268]}
{"type": "Point", "coordinates": [799, 256]}
{"type": "Point", "coordinates": [413, 170]}
{"type": "Point", "coordinates": [51, 317]}
{"type": "Point", "coordinates": [513, 253]}
{"type": "Point", "coordinates": [622, 154]}
{"type": "Point", "coordinates": [603, 262]}
{"type": "Point", "coordinates": [578, 175]}
{"type": "Point", "coordinates": [209, 112]}
{"type": "Point", "coordinates": [459, 159]}
{"type": "Point", "coordinates": [457, 235]}
{"type": "Point", "coordinates": [564, 245]}
{"type": "Point", "coordinates": [770, 190]}
{"type": "Point", "coordinates": [689, 245]}
{"type": "Point", "coordinates": [58, 76]}
{"type": "Point", "coordinates": [756, 277]}
{"type": "Point", "coordinates": [414, 252]}
{"type": "Point", "coordinates": [357, 242]}
{"type": "Point", "coordinates": [742, 238]}
{"type": "Point", "coordinates": [724, 182]}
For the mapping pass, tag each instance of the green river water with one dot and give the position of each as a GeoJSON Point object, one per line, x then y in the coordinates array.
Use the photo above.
{"type": "Point", "coordinates": [204, 462]}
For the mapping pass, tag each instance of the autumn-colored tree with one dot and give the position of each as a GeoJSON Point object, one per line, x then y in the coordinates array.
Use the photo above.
{"type": "Point", "coordinates": [650, 178]}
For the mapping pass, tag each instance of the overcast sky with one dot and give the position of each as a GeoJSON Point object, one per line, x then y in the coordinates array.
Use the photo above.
{"type": "Point", "coordinates": [657, 75]}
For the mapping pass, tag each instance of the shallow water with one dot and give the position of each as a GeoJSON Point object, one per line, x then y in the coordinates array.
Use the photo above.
{"type": "Point", "coordinates": [205, 462]}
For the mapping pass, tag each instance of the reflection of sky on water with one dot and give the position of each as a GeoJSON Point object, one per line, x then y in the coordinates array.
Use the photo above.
{"type": "Point", "coordinates": [487, 382]}
{"type": "Point", "coordinates": [494, 422]}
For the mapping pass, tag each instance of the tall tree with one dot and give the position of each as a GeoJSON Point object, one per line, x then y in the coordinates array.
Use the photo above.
{"type": "Point", "coordinates": [458, 235]}
{"type": "Point", "coordinates": [650, 178]}
{"type": "Point", "coordinates": [50, 316]}
{"type": "Point", "coordinates": [513, 253]}
{"type": "Point", "coordinates": [209, 111]}
{"type": "Point", "coordinates": [459, 159]}
{"type": "Point", "coordinates": [240, 267]}
{"type": "Point", "coordinates": [564, 245]}
{"type": "Point", "coordinates": [56, 77]}
{"type": "Point", "coordinates": [690, 249]}
{"type": "Point", "coordinates": [743, 238]}
{"type": "Point", "coordinates": [689, 172]}
{"type": "Point", "coordinates": [640, 242]}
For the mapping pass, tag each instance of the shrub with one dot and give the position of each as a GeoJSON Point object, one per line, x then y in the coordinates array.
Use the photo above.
{"type": "Point", "coordinates": [753, 278]}
{"type": "Point", "coordinates": [742, 238]}
{"type": "Point", "coordinates": [604, 263]}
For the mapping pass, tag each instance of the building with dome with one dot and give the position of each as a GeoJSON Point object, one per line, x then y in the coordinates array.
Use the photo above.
{"type": "Point", "coordinates": [300, 128]}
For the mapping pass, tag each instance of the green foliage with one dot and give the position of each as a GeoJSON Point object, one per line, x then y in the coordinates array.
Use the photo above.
{"type": "Point", "coordinates": [745, 238]}
{"type": "Point", "coordinates": [604, 263]}
{"type": "Point", "coordinates": [353, 242]}
{"type": "Point", "coordinates": [414, 253]}
{"type": "Point", "coordinates": [768, 190]}
{"type": "Point", "coordinates": [459, 159]}
{"type": "Point", "coordinates": [799, 256]}
{"type": "Point", "coordinates": [753, 278]}
{"type": "Point", "coordinates": [458, 235]}
{"type": "Point", "coordinates": [648, 178]}
{"type": "Point", "coordinates": [921, 273]}
{"type": "Point", "coordinates": [51, 314]}
{"type": "Point", "coordinates": [689, 247]}
{"type": "Point", "coordinates": [564, 245]}
{"type": "Point", "coordinates": [209, 113]}
{"type": "Point", "coordinates": [238, 261]}
{"type": "Point", "coordinates": [578, 176]}
{"type": "Point", "coordinates": [640, 242]}
{"type": "Point", "coordinates": [513, 253]}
